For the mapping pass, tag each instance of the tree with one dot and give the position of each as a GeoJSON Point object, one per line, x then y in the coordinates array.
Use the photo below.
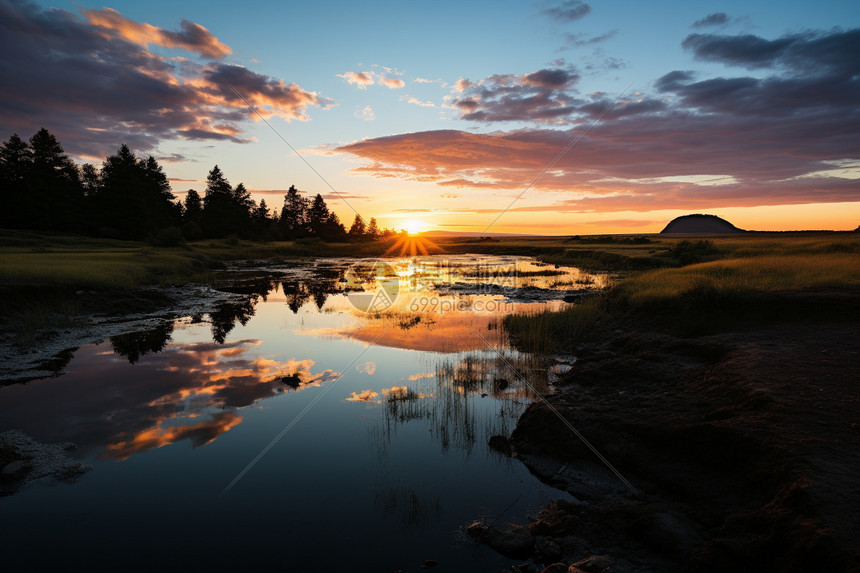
{"type": "Point", "coordinates": [372, 229]}
{"type": "Point", "coordinates": [16, 157]}
{"type": "Point", "coordinates": [134, 198]}
{"type": "Point", "coordinates": [54, 186]}
{"type": "Point", "coordinates": [293, 220]}
{"type": "Point", "coordinates": [333, 229]}
{"type": "Point", "coordinates": [192, 215]}
{"type": "Point", "coordinates": [219, 207]}
{"type": "Point", "coordinates": [91, 180]}
{"type": "Point", "coordinates": [358, 230]}
{"type": "Point", "coordinates": [193, 206]}
{"type": "Point", "coordinates": [318, 216]}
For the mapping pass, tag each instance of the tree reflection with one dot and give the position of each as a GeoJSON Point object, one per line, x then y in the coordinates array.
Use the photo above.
{"type": "Point", "coordinates": [225, 317]}
{"type": "Point", "coordinates": [136, 344]}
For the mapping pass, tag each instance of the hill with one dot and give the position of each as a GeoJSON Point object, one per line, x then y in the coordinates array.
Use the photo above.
{"type": "Point", "coordinates": [699, 224]}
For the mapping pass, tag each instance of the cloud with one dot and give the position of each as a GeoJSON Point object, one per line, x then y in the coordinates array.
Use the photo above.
{"type": "Point", "coordinates": [391, 83]}
{"type": "Point", "coordinates": [191, 37]}
{"type": "Point", "coordinates": [569, 10]}
{"type": "Point", "coordinates": [420, 80]}
{"type": "Point", "coordinates": [368, 78]}
{"type": "Point", "coordinates": [365, 114]}
{"type": "Point", "coordinates": [541, 96]}
{"type": "Point", "coordinates": [715, 19]}
{"type": "Point", "coordinates": [620, 223]}
{"type": "Point", "coordinates": [359, 79]}
{"type": "Point", "coordinates": [813, 53]}
{"type": "Point", "coordinates": [65, 73]}
{"type": "Point", "coordinates": [581, 39]}
{"type": "Point", "coordinates": [727, 141]}
{"type": "Point", "coordinates": [418, 102]}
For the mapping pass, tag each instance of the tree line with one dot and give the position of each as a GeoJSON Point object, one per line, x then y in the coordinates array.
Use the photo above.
{"type": "Point", "coordinates": [41, 188]}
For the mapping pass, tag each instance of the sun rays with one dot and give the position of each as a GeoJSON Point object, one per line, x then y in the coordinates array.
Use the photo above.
{"type": "Point", "coordinates": [412, 245]}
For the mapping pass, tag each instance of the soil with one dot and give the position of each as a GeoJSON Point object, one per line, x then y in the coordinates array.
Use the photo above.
{"type": "Point", "coordinates": [741, 444]}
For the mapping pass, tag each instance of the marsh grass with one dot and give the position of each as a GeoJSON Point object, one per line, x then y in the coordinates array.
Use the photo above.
{"type": "Point", "coordinates": [547, 331]}
{"type": "Point", "coordinates": [742, 276]}
{"type": "Point", "coordinates": [750, 279]}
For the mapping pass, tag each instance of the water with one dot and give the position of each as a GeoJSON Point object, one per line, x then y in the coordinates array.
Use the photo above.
{"type": "Point", "coordinates": [383, 419]}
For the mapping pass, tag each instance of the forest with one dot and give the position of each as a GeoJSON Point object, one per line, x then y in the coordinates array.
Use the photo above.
{"type": "Point", "coordinates": [42, 189]}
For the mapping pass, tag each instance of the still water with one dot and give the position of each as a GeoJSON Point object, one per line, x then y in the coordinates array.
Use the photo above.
{"type": "Point", "coordinates": [332, 415]}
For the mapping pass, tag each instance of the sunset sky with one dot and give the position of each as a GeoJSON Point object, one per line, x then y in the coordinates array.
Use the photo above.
{"type": "Point", "coordinates": [446, 112]}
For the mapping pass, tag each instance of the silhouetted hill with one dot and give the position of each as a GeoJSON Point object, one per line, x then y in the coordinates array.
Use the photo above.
{"type": "Point", "coordinates": [696, 224]}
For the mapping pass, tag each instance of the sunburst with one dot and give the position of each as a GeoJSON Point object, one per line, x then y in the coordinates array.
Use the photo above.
{"type": "Point", "coordinates": [413, 245]}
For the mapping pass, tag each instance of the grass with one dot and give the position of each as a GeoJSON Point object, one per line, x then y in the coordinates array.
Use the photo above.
{"type": "Point", "coordinates": [745, 278]}
{"type": "Point", "coordinates": [547, 332]}
{"type": "Point", "coordinates": [741, 276]}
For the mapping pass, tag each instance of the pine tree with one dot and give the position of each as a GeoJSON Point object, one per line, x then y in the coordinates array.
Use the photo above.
{"type": "Point", "coordinates": [16, 207]}
{"type": "Point", "coordinates": [318, 215]}
{"type": "Point", "coordinates": [293, 219]}
{"type": "Point", "coordinates": [358, 229]}
{"type": "Point", "coordinates": [219, 213]}
{"type": "Point", "coordinates": [373, 229]}
{"type": "Point", "coordinates": [53, 185]}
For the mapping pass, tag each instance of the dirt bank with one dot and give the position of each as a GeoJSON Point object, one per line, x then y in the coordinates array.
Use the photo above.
{"type": "Point", "coordinates": [742, 443]}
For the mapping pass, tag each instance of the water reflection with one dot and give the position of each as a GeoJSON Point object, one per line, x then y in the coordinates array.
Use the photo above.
{"type": "Point", "coordinates": [464, 403]}
{"type": "Point", "coordinates": [194, 390]}
{"type": "Point", "coordinates": [133, 345]}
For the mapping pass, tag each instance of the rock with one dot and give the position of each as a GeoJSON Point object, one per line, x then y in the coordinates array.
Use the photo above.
{"type": "Point", "coordinates": [594, 564]}
{"type": "Point", "coordinates": [477, 530]}
{"type": "Point", "coordinates": [528, 567]}
{"type": "Point", "coordinates": [510, 539]}
{"type": "Point", "coordinates": [540, 527]}
{"type": "Point", "coordinates": [431, 563]}
{"type": "Point", "coordinates": [558, 567]}
{"type": "Point", "coordinates": [15, 469]}
{"type": "Point", "coordinates": [547, 551]}
{"type": "Point", "coordinates": [501, 444]}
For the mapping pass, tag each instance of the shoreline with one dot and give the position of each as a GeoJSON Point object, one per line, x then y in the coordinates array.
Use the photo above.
{"type": "Point", "coordinates": [741, 442]}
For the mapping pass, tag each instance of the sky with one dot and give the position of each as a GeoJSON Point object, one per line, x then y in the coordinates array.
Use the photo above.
{"type": "Point", "coordinates": [548, 117]}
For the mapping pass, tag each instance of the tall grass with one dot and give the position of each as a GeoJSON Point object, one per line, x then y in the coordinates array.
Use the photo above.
{"type": "Point", "coordinates": [548, 331]}
{"type": "Point", "coordinates": [738, 276]}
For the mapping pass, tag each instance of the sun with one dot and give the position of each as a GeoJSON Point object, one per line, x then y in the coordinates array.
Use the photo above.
{"type": "Point", "coordinates": [413, 227]}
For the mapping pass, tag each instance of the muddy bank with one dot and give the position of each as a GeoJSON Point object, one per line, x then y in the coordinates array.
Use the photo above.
{"type": "Point", "coordinates": [741, 445]}
{"type": "Point", "coordinates": [23, 461]}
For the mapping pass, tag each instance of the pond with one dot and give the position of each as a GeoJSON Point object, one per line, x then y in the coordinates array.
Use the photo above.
{"type": "Point", "coordinates": [332, 414]}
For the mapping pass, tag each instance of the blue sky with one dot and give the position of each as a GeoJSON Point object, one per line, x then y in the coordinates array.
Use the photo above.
{"type": "Point", "coordinates": [605, 48]}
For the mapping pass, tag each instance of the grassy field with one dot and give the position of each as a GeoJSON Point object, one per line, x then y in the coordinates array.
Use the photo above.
{"type": "Point", "coordinates": [70, 262]}
{"type": "Point", "coordinates": [701, 284]}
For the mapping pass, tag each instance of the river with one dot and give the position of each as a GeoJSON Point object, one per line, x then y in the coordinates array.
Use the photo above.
{"type": "Point", "coordinates": [331, 415]}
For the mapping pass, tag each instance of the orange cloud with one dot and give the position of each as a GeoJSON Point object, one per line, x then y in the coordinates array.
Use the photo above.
{"type": "Point", "coordinates": [363, 396]}
{"type": "Point", "coordinates": [631, 164]}
{"type": "Point", "coordinates": [163, 97]}
{"type": "Point", "coordinates": [200, 434]}
{"type": "Point", "coordinates": [360, 79]}
{"type": "Point", "coordinates": [192, 37]}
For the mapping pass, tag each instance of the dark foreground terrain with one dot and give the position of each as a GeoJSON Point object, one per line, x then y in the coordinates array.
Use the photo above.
{"type": "Point", "coordinates": [741, 443]}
